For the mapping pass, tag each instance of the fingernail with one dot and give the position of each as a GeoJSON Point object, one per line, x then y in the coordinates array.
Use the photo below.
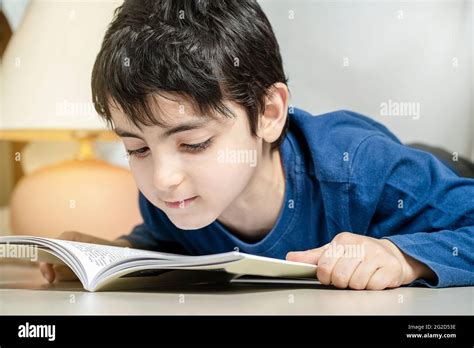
{"type": "Point", "coordinates": [293, 254]}
{"type": "Point", "coordinates": [296, 252]}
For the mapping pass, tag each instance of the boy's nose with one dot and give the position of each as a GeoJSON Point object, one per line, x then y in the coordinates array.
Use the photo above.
{"type": "Point", "coordinates": [166, 175]}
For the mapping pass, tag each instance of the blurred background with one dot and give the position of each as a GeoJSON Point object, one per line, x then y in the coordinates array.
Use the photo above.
{"type": "Point", "coordinates": [409, 65]}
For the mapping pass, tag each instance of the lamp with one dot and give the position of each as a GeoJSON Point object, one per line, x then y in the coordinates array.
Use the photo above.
{"type": "Point", "coordinates": [46, 97]}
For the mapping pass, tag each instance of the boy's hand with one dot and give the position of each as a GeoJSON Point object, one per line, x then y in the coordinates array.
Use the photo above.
{"type": "Point", "coordinates": [61, 272]}
{"type": "Point", "coordinates": [361, 262]}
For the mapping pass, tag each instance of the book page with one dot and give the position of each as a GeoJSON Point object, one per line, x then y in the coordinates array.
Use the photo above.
{"type": "Point", "coordinates": [95, 257]}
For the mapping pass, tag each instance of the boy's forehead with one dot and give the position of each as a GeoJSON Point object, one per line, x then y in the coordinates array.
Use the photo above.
{"type": "Point", "coordinates": [170, 112]}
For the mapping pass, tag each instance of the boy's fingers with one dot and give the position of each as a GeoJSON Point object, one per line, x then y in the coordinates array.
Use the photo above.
{"type": "Point", "coordinates": [363, 273]}
{"type": "Point", "coordinates": [64, 273]}
{"type": "Point", "coordinates": [52, 272]}
{"type": "Point", "coordinates": [308, 256]}
{"type": "Point", "coordinates": [343, 270]}
{"type": "Point", "coordinates": [326, 265]}
{"type": "Point", "coordinates": [47, 271]}
{"type": "Point", "coordinates": [379, 280]}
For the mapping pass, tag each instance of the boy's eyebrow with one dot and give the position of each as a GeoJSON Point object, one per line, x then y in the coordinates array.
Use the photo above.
{"type": "Point", "coordinates": [180, 128]}
{"type": "Point", "coordinates": [125, 134]}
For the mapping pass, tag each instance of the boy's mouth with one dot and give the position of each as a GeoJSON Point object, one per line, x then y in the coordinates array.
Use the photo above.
{"type": "Point", "coordinates": [180, 204]}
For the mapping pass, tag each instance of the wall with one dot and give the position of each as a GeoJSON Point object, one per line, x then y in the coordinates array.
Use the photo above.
{"type": "Point", "coordinates": [360, 54]}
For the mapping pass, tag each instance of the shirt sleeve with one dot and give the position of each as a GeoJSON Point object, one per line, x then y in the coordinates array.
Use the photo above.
{"type": "Point", "coordinates": [141, 238]}
{"type": "Point", "coordinates": [412, 199]}
{"type": "Point", "coordinates": [153, 233]}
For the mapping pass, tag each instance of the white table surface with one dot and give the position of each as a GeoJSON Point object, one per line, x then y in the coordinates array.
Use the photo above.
{"type": "Point", "coordinates": [23, 291]}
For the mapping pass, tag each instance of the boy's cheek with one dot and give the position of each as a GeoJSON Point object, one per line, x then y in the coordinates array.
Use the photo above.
{"type": "Point", "coordinates": [144, 182]}
{"type": "Point", "coordinates": [231, 177]}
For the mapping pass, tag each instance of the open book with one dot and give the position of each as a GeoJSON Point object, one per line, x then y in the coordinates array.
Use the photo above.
{"type": "Point", "coordinates": [103, 267]}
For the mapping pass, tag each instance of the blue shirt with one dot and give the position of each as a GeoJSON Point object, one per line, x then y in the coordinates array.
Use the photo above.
{"type": "Point", "coordinates": [347, 172]}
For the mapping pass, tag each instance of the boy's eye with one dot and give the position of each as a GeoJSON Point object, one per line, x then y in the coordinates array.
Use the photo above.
{"type": "Point", "coordinates": [193, 148]}
{"type": "Point", "coordinates": [197, 147]}
{"type": "Point", "coordinates": [142, 152]}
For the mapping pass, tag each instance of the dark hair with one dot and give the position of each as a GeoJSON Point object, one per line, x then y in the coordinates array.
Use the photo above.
{"type": "Point", "coordinates": [206, 50]}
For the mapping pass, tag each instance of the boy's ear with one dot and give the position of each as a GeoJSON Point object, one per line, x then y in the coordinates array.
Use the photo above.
{"type": "Point", "coordinates": [273, 120]}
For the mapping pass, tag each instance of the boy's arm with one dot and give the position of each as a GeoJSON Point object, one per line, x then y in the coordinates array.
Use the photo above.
{"type": "Point", "coordinates": [142, 237]}
{"type": "Point", "coordinates": [449, 253]}
{"type": "Point", "coordinates": [139, 238]}
{"type": "Point", "coordinates": [122, 242]}
{"type": "Point", "coordinates": [409, 197]}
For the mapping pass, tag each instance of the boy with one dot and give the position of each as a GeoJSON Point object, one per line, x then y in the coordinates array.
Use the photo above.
{"type": "Point", "coordinates": [197, 91]}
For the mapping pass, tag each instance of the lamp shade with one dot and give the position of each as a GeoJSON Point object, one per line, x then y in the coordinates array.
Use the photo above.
{"type": "Point", "coordinates": [1, 90]}
{"type": "Point", "coordinates": [48, 62]}
{"type": "Point", "coordinates": [47, 97]}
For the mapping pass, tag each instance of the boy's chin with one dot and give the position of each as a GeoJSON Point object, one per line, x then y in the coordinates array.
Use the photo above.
{"type": "Point", "coordinates": [188, 223]}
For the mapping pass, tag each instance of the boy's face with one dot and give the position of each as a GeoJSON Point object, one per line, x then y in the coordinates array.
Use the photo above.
{"type": "Point", "coordinates": [171, 168]}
